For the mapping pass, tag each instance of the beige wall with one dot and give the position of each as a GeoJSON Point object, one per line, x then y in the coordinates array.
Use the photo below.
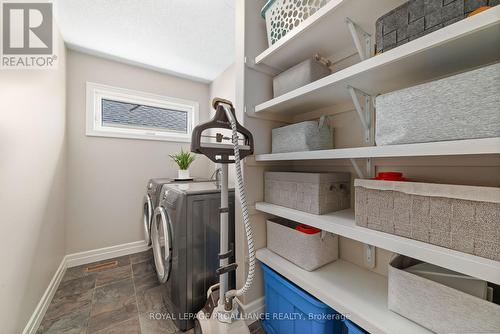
{"type": "Point", "coordinates": [224, 86]}
{"type": "Point", "coordinates": [107, 176]}
{"type": "Point", "coordinates": [32, 179]}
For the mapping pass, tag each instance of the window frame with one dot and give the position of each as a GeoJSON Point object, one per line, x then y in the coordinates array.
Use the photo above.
{"type": "Point", "coordinates": [95, 93]}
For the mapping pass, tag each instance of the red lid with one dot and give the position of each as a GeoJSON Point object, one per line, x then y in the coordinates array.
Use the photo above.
{"type": "Point", "coordinates": [390, 176]}
{"type": "Point", "coordinates": [307, 229]}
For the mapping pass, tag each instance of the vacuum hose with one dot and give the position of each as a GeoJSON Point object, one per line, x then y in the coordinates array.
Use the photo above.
{"type": "Point", "coordinates": [244, 208]}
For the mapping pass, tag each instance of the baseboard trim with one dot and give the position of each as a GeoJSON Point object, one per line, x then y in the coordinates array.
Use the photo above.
{"type": "Point", "coordinates": [43, 304]}
{"type": "Point", "coordinates": [73, 260]}
{"type": "Point", "coordinates": [77, 259]}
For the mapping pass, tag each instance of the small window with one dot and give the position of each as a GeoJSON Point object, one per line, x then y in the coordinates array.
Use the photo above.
{"type": "Point", "coordinates": [123, 113]}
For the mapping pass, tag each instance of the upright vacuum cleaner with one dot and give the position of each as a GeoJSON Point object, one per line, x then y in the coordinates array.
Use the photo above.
{"type": "Point", "coordinates": [220, 314]}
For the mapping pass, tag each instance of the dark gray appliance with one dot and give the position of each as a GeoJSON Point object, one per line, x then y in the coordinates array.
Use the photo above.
{"type": "Point", "coordinates": [185, 236]}
{"type": "Point", "coordinates": [151, 200]}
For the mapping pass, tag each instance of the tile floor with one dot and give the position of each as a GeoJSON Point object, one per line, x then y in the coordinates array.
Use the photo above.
{"type": "Point", "coordinates": [115, 300]}
{"type": "Point", "coordinates": [110, 301]}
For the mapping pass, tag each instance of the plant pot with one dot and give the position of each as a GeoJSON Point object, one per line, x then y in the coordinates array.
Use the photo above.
{"type": "Point", "coordinates": [183, 174]}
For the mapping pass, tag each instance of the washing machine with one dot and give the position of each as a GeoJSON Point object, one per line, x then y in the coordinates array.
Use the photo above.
{"type": "Point", "coordinates": [149, 204]}
{"type": "Point", "coordinates": [151, 201]}
{"type": "Point", "coordinates": [185, 236]}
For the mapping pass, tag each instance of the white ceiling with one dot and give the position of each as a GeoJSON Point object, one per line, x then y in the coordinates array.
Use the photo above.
{"type": "Point", "coordinates": [191, 38]}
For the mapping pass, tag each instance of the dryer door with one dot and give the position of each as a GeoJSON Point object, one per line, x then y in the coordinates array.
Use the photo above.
{"type": "Point", "coordinates": [147, 217]}
{"type": "Point", "coordinates": [161, 236]}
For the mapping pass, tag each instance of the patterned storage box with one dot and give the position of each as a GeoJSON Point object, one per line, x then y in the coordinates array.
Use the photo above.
{"type": "Point", "coordinates": [316, 193]}
{"type": "Point", "coordinates": [435, 306]}
{"type": "Point", "coordinates": [308, 251]}
{"type": "Point", "coordinates": [417, 18]}
{"type": "Point", "coordinates": [284, 15]}
{"type": "Point", "coordinates": [464, 218]}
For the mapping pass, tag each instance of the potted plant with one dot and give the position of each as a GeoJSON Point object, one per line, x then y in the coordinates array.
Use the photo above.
{"type": "Point", "coordinates": [183, 160]}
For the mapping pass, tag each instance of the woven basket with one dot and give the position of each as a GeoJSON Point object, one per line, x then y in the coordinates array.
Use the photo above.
{"type": "Point", "coordinates": [463, 218]}
{"type": "Point", "coordinates": [435, 306]}
{"type": "Point", "coordinates": [417, 18]}
{"type": "Point", "coordinates": [308, 251]}
{"type": "Point", "coordinates": [316, 193]}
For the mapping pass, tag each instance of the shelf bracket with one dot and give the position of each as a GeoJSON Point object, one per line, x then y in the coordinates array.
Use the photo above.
{"type": "Point", "coordinates": [364, 43]}
{"type": "Point", "coordinates": [365, 113]}
{"type": "Point", "coordinates": [261, 68]}
{"type": "Point", "coordinates": [358, 170]}
{"type": "Point", "coordinates": [370, 169]}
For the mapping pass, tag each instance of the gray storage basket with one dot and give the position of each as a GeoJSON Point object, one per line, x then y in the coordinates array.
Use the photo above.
{"type": "Point", "coordinates": [316, 193]}
{"type": "Point", "coordinates": [463, 106]}
{"type": "Point", "coordinates": [435, 306]}
{"type": "Point", "coordinates": [304, 136]}
{"type": "Point", "coordinates": [463, 218]}
{"type": "Point", "coordinates": [300, 75]}
{"type": "Point", "coordinates": [308, 251]}
{"type": "Point", "coordinates": [417, 18]}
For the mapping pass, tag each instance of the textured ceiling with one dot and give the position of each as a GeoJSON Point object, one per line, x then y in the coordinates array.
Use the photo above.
{"type": "Point", "coordinates": [192, 38]}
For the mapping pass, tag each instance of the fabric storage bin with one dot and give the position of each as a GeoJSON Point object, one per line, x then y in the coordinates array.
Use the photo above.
{"type": "Point", "coordinates": [464, 218]}
{"type": "Point", "coordinates": [307, 248]}
{"type": "Point", "coordinates": [417, 18]}
{"type": "Point", "coordinates": [299, 75]}
{"type": "Point", "coordinates": [291, 310]}
{"type": "Point", "coordinates": [284, 15]}
{"type": "Point", "coordinates": [470, 285]}
{"type": "Point", "coordinates": [435, 306]}
{"type": "Point", "coordinates": [303, 136]}
{"type": "Point", "coordinates": [463, 106]}
{"type": "Point", "coordinates": [316, 193]}
{"type": "Point", "coordinates": [350, 327]}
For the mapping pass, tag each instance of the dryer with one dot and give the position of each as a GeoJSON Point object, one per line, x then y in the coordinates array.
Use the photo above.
{"type": "Point", "coordinates": [151, 201]}
{"type": "Point", "coordinates": [185, 237]}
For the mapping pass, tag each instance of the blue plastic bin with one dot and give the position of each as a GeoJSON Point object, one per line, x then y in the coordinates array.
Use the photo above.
{"type": "Point", "coordinates": [351, 328]}
{"type": "Point", "coordinates": [290, 310]}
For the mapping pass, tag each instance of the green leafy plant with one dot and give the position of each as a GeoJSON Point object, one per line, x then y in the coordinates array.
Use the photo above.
{"type": "Point", "coordinates": [183, 159]}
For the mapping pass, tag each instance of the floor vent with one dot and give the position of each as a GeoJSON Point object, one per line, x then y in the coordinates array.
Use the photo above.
{"type": "Point", "coordinates": [101, 266]}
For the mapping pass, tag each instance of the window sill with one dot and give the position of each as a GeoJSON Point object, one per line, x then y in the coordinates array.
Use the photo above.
{"type": "Point", "coordinates": [167, 138]}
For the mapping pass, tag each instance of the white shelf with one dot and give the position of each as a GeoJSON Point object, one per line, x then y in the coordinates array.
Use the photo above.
{"type": "Point", "coordinates": [342, 223]}
{"type": "Point", "coordinates": [466, 44]}
{"type": "Point", "coordinates": [456, 147]}
{"type": "Point", "coordinates": [348, 289]}
{"type": "Point", "coordinates": [325, 32]}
